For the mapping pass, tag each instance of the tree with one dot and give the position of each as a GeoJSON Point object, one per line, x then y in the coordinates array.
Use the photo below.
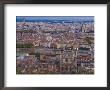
{"type": "Point", "coordinates": [88, 40]}
{"type": "Point", "coordinates": [24, 45]}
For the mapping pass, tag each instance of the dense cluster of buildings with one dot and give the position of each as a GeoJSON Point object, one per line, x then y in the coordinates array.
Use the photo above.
{"type": "Point", "coordinates": [55, 48]}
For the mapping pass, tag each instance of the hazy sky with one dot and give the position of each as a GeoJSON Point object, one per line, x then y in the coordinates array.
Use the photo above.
{"type": "Point", "coordinates": [56, 17]}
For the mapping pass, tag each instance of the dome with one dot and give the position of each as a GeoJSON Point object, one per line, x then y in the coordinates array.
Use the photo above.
{"type": "Point", "coordinates": [49, 38]}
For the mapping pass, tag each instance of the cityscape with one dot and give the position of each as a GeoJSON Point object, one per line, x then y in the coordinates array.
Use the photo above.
{"type": "Point", "coordinates": [55, 45]}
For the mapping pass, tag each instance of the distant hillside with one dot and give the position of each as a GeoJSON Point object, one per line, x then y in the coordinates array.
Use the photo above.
{"type": "Point", "coordinates": [54, 18]}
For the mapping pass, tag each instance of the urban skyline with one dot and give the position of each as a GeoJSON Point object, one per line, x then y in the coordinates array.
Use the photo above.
{"type": "Point", "coordinates": [43, 47]}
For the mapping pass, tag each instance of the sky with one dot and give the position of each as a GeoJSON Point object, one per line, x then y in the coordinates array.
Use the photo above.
{"type": "Point", "coordinates": [72, 18]}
